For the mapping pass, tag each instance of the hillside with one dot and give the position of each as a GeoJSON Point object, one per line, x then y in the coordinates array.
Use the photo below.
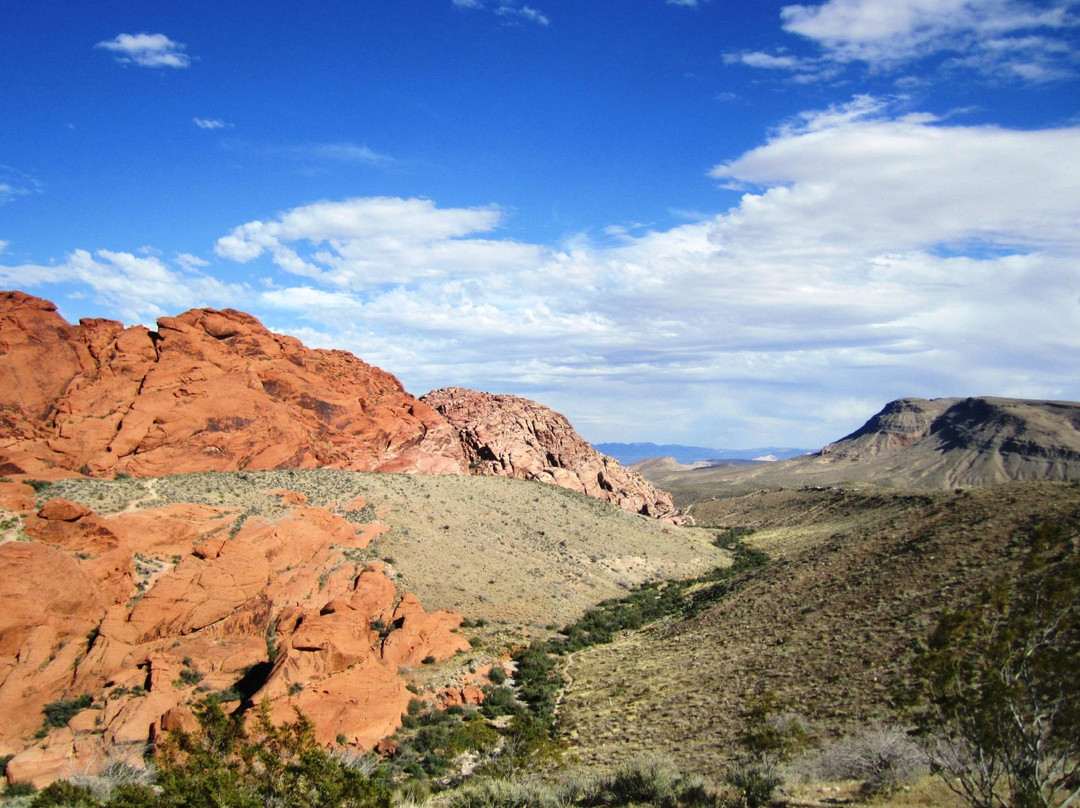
{"type": "Point", "coordinates": [915, 443]}
{"type": "Point", "coordinates": [217, 391]}
{"type": "Point", "coordinates": [828, 627]}
{"type": "Point", "coordinates": [320, 589]}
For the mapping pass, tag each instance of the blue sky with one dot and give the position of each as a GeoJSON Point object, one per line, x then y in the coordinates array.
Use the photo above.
{"type": "Point", "coordinates": [719, 222]}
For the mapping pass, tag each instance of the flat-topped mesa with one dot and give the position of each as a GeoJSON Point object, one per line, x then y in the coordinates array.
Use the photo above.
{"type": "Point", "coordinates": [945, 442]}
{"type": "Point", "coordinates": [208, 391]}
{"type": "Point", "coordinates": [508, 436]}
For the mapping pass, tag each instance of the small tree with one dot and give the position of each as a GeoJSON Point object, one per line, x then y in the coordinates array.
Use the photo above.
{"type": "Point", "coordinates": [1001, 685]}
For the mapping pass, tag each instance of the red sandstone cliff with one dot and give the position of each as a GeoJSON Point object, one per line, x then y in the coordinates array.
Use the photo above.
{"type": "Point", "coordinates": [208, 391]}
{"type": "Point", "coordinates": [507, 436]}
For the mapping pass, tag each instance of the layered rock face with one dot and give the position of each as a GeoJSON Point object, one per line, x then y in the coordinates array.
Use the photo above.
{"type": "Point", "coordinates": [507, 436]}
{"type": "Point", "coordinates": [145, 612]}
{"type": "Point", "coordinates": [947, 442]}
{"type": "Point", "coordinates": [208, 391]}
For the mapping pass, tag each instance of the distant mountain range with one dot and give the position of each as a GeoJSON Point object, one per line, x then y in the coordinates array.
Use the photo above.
{"type": "Point", "coordinates": [629, 453]}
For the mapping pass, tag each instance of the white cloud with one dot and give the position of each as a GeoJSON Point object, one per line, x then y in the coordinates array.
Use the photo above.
{"type": "Point", "coordinates": [512, 11]}
{"type": "Point", "coordinates": [211, 123]}
{"type": "Point", "coordinates": [526, 13]}
{"type": "Point", "coordinates": [895, 184]}
{"type": "Point", "coordinates": [363, 243]}
{"type": "Point", "coordinates": [147, 50]}
{"type": "Point", "coordinates": [190, 262]}
{"type": "Point", "coordinates": [135, 289]}
{"type": "Point", "coordinates": [347, 153]}
{"type": "Point", "coordinates": [886, 33]}
{"type": "Point", "coordinates": [686, 3]}
{"type": "Point", "coordinates": [875, 255]}
{"type": "Point", "coordinates": [892, 255]}
{"type": "Point", "coordinates": [15, 184]}
{"type": "Point", "coordinates": [764, 60]}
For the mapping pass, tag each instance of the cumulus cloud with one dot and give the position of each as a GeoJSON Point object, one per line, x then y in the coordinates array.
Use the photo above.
{"type": "Point", "coordinates": [873, 254]}
{"type": "Point", "coordinates": [898, 183]}
{"type": "Point", "coordinates": [365, 243]}
{"type": "Point", "coordinates": [147, 50]}
{"type": "Point", "coordinates": [1003, 37]}
{"type": "Point", "coordinates": [135, 289]}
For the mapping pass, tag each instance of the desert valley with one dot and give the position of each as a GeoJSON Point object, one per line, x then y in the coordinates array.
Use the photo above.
{"type": "Point", "coordinates": [462, 603]}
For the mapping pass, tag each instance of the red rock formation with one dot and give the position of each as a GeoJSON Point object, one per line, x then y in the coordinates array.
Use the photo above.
{"type": "Point", "coordinates": [145, 611]}
{"type": "Point", "coordinates": [507, 436]}
{"type": "Point", "coordinates": [208, 391]}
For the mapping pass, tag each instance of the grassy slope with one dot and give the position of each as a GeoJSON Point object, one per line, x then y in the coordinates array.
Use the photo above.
{"type": "Point", "coordinates": [488, 548]}
{"type": "Point", "coordinates": [829, 626]}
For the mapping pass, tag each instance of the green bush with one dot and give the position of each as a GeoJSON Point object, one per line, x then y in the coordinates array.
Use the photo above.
{"type": "Point", "coordinates": [65, 794]}
{"type": "Point", "coordinates": [754, 784]}
{"type": "Point", "coordinates": [221, 765]}
{"type": "Point", "coordinates": [20, 788]}
{"type": "Point", "coordinates": [58, 713]}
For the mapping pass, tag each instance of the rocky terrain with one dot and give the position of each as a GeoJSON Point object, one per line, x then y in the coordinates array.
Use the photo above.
{"type": "Point", "coordinates": [216, 391]}
{"type": "Point", "coordinates": [508, 436]}
{"type": "Point", "coordinates": [142, 595]}
{"type": "Point", "coordinates": [914, 443]}
{"type": "Point", "coordinates": [208, 391]}
{"type": "Point", "coordinates": [143, 611]}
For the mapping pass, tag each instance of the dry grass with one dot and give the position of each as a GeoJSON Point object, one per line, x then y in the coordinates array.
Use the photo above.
{"type": "Point", "coordinates": [828, 628]}
{"type": "Point", "coordinates": [508, 552]}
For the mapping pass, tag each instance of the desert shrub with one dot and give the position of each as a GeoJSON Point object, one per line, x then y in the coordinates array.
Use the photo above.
{"type": "Point", "coordinates": [499, 701]}
{"type": "Point", "coordinates": [504, 794]}
{"type": "Point", "coordinates": [58, 713]}
{"type": "Point", "coordinates": [731, 538]}
{"type": "Point", "coordinates": [770, 734]}
{"type": "Point", "coordinates": [646, 780]}
{"type": "Point", "coordinates": [999, 684]}
{"type": "Point", "coordinates": [221, 765]}
{"type": "Point", "coordinates": [754, 784]}
{"type": "Point", "coordinates": [496, 675]}
{"type": "Point", "coordinates": [653, 601]}
{"type": "Point", "coordinates": [537, 679]}
{"type": "Point", "coordinates": [20, 788]}
{"type": "Point", "coordinates": [188, 676]}
{"type": "Point", "coordinates": [882, 758]}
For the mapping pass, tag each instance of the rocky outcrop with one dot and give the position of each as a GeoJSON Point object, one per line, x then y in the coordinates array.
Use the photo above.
{"type": "Point", "coordinates": [145, 612]}
{"type": "Point", "coordinates": [508, 436]}
{"type": "Point", "coordinates": [208, 391]}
